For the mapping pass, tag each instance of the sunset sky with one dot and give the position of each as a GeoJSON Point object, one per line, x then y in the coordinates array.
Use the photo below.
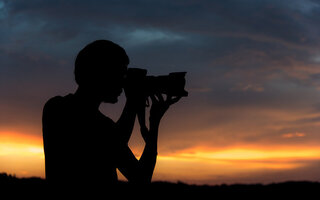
{"type": "Point", "coordinates": [253, 76]}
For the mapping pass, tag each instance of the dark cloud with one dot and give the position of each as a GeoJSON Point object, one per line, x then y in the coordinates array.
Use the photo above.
{"type": "Point", "coordinates": [225, 46]}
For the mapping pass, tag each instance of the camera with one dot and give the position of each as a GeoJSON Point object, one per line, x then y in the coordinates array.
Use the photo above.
{"type": "Point", "coordinates": [172, 84]}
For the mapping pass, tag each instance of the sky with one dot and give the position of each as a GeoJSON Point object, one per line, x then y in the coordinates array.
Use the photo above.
{"type": "Point", "coordinates": [253, 76]}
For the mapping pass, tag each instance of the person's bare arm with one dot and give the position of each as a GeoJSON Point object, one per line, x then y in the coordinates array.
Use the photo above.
{"type": "Point", "coordinates": [141, 170]}
{"type": "Point", "coordinates": [135, 102]}
{"type": "Point", "coordinates": [126, 121]}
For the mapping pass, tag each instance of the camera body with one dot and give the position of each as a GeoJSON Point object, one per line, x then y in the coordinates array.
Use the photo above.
{"type": "Point", "coordinates": [172, 84]}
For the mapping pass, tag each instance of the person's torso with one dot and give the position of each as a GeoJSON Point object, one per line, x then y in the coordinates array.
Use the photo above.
{"type": "Point", "coordinates": [86, 143]}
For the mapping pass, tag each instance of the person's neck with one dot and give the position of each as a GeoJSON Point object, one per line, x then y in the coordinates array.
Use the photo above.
{"type": "Point", "coordinates": [87, 98]}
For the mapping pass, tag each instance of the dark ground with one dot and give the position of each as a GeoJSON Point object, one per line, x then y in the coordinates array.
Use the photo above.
{"type": "Point", "coordinates": [168, 190]}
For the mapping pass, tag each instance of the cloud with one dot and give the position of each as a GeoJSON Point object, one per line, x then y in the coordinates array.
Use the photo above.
{"type": "Point", "coordinates": [200, 89]}
{"type": "Point", "coordinates": [248, 87]}
{"type": "Point", "coordinates": [292, 135]}
{"type": "Point", "coordinates": [142, 36]}
{"type": "Point", "coordinates": [225, 46]}
{"type": "Point", "coordinates": [262, 21]}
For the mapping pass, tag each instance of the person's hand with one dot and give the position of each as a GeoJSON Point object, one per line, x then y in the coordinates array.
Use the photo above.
{"type": "Point", "coordinates": [135, 94]}
{"type": "Point", "coordinates": [160, 106]}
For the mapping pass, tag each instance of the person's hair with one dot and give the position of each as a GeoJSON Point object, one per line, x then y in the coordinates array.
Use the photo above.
{"type": "Point", "coordinates": [100, 56]}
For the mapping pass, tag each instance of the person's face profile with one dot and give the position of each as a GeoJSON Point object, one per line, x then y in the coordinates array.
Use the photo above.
{"type": "Point", "coordinates": [110, 84]}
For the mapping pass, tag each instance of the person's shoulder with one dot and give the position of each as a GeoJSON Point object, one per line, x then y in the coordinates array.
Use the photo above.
{"type": "Point", "coordinates": [56, 102]}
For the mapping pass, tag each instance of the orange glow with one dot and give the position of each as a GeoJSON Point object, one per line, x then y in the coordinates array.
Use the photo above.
{"type": "Point", "coordinates": [238, 153]}
{"type": "Point", "coordinates": [21, 154]}
{"type": "Point", "coordinates": [199, 163]}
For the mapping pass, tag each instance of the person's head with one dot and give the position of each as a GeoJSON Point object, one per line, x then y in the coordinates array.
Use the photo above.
{"type": "Point", "coordinates": [100, 67]}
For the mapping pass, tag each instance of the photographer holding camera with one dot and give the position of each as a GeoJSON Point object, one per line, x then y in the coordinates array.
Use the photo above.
{"type": "Point", "coordinates": [82, 146]}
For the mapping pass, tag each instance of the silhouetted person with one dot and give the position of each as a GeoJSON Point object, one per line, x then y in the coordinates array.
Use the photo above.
{"type": "Point", "coordinates": [83, 146]}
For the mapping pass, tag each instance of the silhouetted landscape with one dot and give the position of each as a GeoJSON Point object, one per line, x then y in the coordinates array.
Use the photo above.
{"type": "Point", "coordinates": [180, 189]}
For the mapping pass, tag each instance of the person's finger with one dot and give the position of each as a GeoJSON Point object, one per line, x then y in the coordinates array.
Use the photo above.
{"type": "Point", "coordinates": [160, 97]}
{"type": "Point", "coordinates": [169, 97]}
{"type": "Point", "coordinates": [153, 98]}
{"type": "Point", "coordinates": [174, 100]}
